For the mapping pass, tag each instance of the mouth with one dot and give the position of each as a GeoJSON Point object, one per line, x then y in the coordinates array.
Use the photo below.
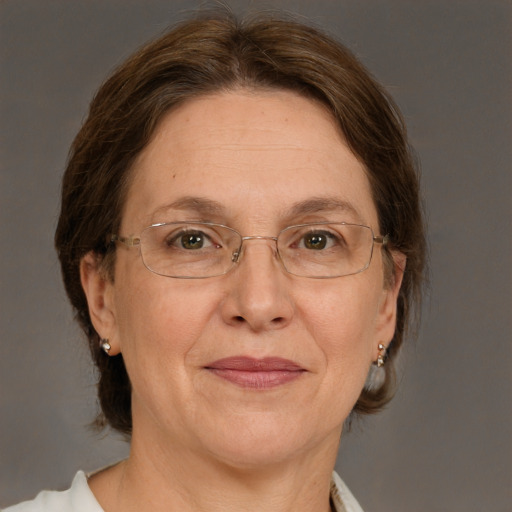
{"type": "Point", "coordinates": [248, 372]}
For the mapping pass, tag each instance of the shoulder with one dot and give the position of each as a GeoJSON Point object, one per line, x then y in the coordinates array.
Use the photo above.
{"type": "Point", "coordinates": [342, 498]}
{"type": "Point", "coordinates": [78, 498]}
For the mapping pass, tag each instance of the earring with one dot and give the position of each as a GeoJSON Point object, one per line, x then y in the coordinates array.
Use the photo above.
{"type": "Point", "coordinates": [381, 356]}
{"type": "Point", "coordinates": [105, 345]}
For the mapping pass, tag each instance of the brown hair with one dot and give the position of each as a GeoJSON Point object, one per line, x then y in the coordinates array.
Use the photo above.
{"type": "Point", "coordinates": [215, 52]}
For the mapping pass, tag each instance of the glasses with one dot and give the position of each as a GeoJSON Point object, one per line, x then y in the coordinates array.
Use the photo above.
{"type": "Point", "coordinates": [195, 250]}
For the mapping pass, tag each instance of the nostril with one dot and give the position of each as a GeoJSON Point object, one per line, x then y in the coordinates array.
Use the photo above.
{"type": "Point", "coordinates": [275, 321]}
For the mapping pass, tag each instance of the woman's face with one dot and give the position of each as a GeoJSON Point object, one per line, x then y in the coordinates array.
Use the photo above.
{"type": "Point", "coordinates": [257, 162]}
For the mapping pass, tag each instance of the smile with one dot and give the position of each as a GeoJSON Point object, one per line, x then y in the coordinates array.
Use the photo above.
{"type": "Point", "coordinates": [248, 372]}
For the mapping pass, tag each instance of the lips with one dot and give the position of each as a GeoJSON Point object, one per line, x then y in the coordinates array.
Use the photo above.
{"type": "Point", "coordinates": [248, 372]}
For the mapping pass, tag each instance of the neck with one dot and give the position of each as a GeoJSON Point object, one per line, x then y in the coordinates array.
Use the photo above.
{"type": "Point", "coordinates": [156, 478]}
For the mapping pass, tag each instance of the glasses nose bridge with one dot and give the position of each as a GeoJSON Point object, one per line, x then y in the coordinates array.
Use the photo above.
{"type": "Point", "coordinates": [237, 255]}
{"type": "Point", "coordinates": [258, 237]}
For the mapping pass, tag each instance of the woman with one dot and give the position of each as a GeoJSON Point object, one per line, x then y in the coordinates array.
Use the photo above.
{"type": "Point", "coordinates": [238, 214]}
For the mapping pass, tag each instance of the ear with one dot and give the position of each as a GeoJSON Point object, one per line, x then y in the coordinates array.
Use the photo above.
{"type": "Point", "coordinates": [386, 323]}
{"type": "Point", "coordinates": [99, 291]}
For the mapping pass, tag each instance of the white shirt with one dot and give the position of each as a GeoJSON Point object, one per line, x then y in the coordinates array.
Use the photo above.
{"type": "Point", "coordinates": [79, 498]}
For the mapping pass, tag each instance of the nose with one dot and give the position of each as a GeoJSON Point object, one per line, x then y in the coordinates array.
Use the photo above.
{"type": "Point", "coordinates": [259, 295]}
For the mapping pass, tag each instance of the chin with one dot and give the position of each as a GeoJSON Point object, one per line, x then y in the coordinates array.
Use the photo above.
{"type": "Point", "coordinates": [256, 445]}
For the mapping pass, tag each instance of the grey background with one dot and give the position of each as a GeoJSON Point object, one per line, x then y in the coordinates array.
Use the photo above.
{"type": "Point", "coordinates": [444, 444]}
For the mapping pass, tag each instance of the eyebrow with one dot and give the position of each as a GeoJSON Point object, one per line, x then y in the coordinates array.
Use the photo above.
{"type": "Point", "coordinates": [323, 205]}
{"type": "Point", "coordinates": [210, 208]}
{"type": "Point", "coordinates": [201, 205]}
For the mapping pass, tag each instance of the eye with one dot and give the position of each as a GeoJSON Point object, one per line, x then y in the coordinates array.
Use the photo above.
{"type": "Point", "coordinates": [317, 240]}
{"type": "Point", "coordinates": [190, 240]}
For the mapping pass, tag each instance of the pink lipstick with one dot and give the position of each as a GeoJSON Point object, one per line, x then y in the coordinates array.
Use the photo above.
{"type": "Point", "coordinates": [248, 372]}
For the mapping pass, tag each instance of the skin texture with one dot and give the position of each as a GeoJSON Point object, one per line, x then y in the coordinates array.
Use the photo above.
{"type": "Point", "coordinates": [260, 156]}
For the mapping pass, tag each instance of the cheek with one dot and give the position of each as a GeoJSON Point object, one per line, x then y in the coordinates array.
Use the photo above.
{"type": "Point", "coordinates": [158, 319]}
{"type": "Point", "coordinates": [342, 322]}
{"type": "Point", "coordinates": [159, 323]}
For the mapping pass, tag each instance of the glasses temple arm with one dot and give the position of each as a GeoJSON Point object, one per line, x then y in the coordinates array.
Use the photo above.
{"type": "Point", "coordinates": [130, 241]}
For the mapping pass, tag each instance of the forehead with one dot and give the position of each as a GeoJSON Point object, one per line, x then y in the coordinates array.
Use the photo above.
{"type": "Point", "coordinates": [252, 154]}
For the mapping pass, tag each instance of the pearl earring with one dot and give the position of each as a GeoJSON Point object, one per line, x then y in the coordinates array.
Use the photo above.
{"type": "Point", "coordinates": [105, 345]}
{"type": "Point", "coordinates": [381, 356]}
